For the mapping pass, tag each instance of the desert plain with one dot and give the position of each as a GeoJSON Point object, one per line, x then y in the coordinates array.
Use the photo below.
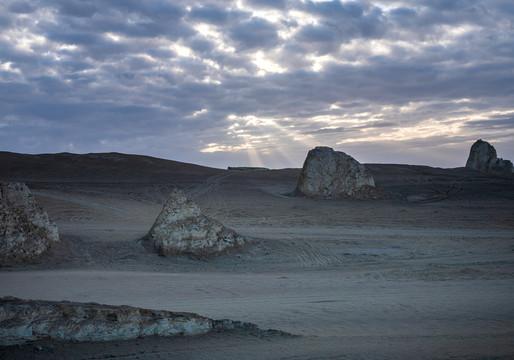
{"type": "Point", "coordinates": [425, 273]}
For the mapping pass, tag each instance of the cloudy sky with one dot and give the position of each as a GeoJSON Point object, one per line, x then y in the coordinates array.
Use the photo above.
{"type": "Point", "coordinates": [258, 82]}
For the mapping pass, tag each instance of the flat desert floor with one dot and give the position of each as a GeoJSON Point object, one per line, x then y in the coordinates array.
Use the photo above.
{"type": "Point", "coordinates": [426, 275]}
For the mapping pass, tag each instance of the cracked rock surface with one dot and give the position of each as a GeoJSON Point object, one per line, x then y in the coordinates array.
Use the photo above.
{"type": "Point", "coordinates": [26, 320]}
{"type": "Point", "coordinates": [483, 157]}
{"type": "Point", "coordinates": [181, 229]}
{"type": "Point", "coordinates": [25, 230]}
{"type": "Point", "coordinates": [329, 173]}
{"type": "Point", "coordinates": [22, 321]}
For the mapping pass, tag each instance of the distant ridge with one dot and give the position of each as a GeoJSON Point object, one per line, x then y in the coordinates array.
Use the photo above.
{"type": "Point", "coordinates": [104, 167]}
{"type": "Point", "coordinates": [247, 168]}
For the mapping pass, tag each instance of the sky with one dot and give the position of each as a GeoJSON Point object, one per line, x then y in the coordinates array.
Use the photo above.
{"type": "Point", "coordinates": [258, 82]}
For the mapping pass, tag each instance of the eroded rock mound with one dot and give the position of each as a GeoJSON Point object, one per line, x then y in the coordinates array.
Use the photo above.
{"type": "Point", "coordinates": [482, 157]}
{"type": "Point", "coordinates": [329, 173]}
{"type": "Point", "coordinates": [181, 228]}
{"type": "Point", "coordinates": [26, 320]}
{"type": "Point", "coordinates": [25, 230]}
{"type": "Point", "coordinates": [23, 321]}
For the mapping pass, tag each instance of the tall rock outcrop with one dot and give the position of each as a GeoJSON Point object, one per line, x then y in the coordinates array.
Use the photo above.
{"type": "Point", "coordinates": [181, 229]}
{"type": "Point", "coordinates": [25, 230]}
{"type": "Point", "coordinates": [329, 173]}
{"type": "Point", "coordinates": [482, 157]}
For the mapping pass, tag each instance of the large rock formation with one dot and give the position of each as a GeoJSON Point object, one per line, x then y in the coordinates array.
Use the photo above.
{"type": "Point", "coordinates": [22, 321]}
{"type": "Point", "coordinates": [329, 173]}
{"type": "Point", "coordinates": [181, 228]}
{"type": "Point", "coordinates": [25, 231]}
{"type": "Point", "coordinates": [482, 157]}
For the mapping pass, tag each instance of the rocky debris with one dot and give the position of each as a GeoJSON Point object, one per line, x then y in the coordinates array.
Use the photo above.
{"type": "Point", "coordinates": [29, 320]}
{"type": "Point", "coordinates": [482, 157]}
{"type": "Point", "coordinates": [181, 229]}
{"type": "Point", "coordinates": [329, 173]}
{"type": "Point", "coordinates": [242, 328]}
{"type": "Point", "coordinates": [25, 230]}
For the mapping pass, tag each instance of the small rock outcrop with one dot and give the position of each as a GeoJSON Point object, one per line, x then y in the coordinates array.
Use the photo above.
{"type": "Point", "coordinates": [23, 321]}
{"type": "Point", "coordinates": [329, 173]}
{"type": "Point", "coordinates": [482, 157]}
{"type": "Point", "coordinates": [181, 229]}
{"type": "Point", "coordinates": [29, 320]}
{"type": "Point", "coordinates": [25, 230]}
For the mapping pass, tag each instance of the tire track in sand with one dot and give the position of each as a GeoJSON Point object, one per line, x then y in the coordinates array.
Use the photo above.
{"type": "Point", "coordinates": [216, 206]}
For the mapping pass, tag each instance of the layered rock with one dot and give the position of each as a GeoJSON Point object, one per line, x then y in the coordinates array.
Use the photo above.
{"type": "Point", "coordinates": [25, 230]}
{"type": "Point", "coordinates": [181, 228]}
{"type": "Point", "coordinates": [25, 320]}
{"type": "Point", "coordinates": [482, 157]}
{"type": "Point", "coordinates": [329, 173]}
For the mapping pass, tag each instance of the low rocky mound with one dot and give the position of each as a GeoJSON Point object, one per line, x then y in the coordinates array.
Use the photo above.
{"type": "Point", "coordinates": [482, 157]}
{"type": "Point", "coordinates": [25, 230]}
{"type": "Point", "coordinates": [181, 229]}
{"type": "Point", "coordinates": [329, 173]}
{"type": "Point", "coordinates": [29, 320]}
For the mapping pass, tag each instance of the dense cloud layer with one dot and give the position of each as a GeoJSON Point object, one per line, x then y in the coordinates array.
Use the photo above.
{"type": "Point", "coordinates": [258, 82]}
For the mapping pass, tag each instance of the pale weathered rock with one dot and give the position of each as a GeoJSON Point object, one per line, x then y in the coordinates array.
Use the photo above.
{"type": "Point", "coordinates": [25, 230]}
{"type": "Point", "coordinates": [329, 173]}
{"type": "Point", "coordinates": [181, 228]}
{"type": "Point", "coordinates": [482, 157]}
{"type": "Point", "coordinates": [25, 320]}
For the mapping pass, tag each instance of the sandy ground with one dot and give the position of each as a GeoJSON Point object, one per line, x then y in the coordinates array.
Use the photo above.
{"type": "Point", "coordinates": [429, 274]}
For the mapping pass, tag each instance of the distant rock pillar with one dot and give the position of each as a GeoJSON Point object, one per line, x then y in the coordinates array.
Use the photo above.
{"type": "Point", "coordinates": [482, 157]}
{"type": "Point", "coordinates": [329, 173]}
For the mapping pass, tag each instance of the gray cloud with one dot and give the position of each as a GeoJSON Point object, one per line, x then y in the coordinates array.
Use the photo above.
{"type": "Point", "coordinates": [337, 130]}
{"type": "Point", "coordinates": [253, 33]}
{"type": "Point", "coordinates": [354, 19]}
{"type": "Point", "coordinates": [21, 7]}
{"type": "Point", "coordinates": [276, 4]}
{"type": "Point", "coordinates": [217, 14]}
{"type": "Point", "coordinates": [336, 9]}
{"type": "Point", "coordinates": [77, 8]}
{"type": "Point", "coordinates": [500, 124]}
{"type": "Point", "coordinates": [147, 77]}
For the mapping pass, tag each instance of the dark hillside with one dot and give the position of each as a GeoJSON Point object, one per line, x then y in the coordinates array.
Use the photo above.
{"type": "Point", "coordinates": [102, 167]}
